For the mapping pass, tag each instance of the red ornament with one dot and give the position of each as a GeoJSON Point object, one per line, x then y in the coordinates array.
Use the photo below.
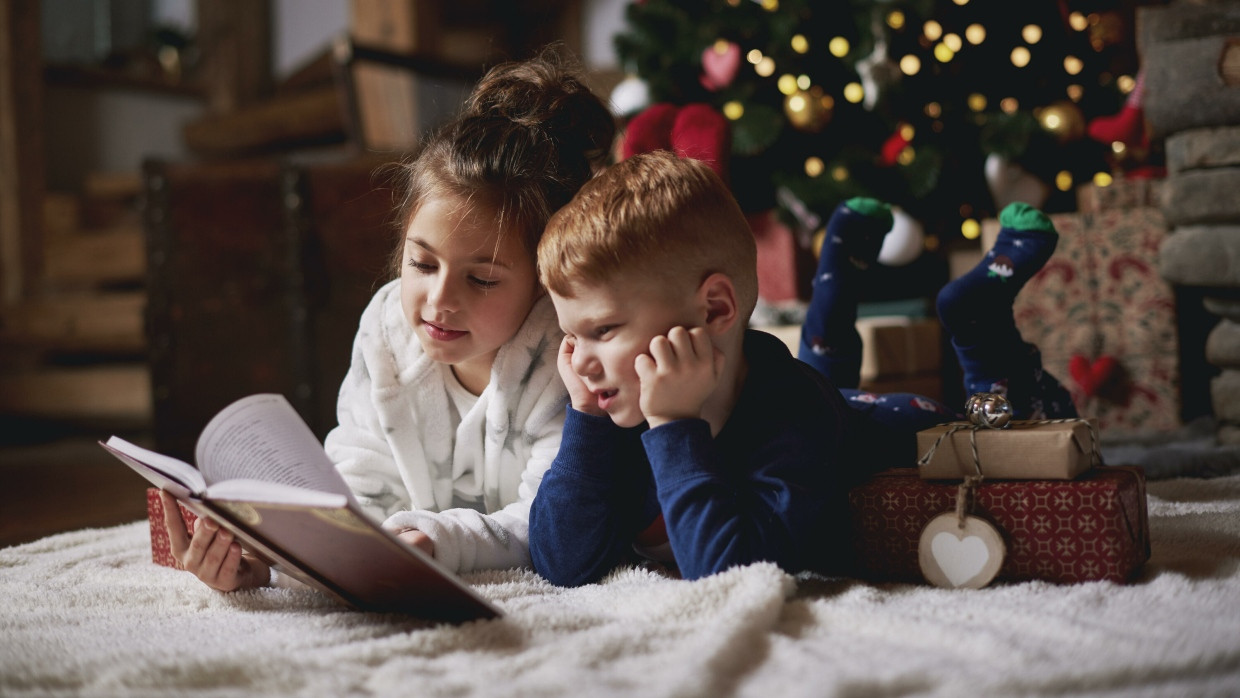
{"type": "Point", "coordinates": [720, 64]}
{"type": "Point", "coordinates": [694, 131]}
{"type": "Point", "coordinates": [892, 147]}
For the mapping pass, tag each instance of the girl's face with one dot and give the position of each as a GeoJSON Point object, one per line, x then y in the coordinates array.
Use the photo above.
{"type": "Point", "coordinates": [464, 288]}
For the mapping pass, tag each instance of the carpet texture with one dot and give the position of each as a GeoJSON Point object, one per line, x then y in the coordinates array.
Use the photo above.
{"type": "Point", "coordinates": [87, 614]}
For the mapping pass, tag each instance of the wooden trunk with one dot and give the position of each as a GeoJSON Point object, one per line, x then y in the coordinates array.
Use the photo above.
{"type": "Point", "coordinates": [258, 274]}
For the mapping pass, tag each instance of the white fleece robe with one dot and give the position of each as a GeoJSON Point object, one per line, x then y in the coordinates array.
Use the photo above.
{"type": "Point", "coordinates": [396, 447]}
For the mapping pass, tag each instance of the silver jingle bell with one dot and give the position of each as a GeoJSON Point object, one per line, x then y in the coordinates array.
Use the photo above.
{"type": "Point", "coordinates": [990, 410]}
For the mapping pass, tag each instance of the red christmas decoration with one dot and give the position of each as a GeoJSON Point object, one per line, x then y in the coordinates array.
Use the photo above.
{"type": "Point", "coordinates": [691, 131]}
{"type": "Point", "coordinates": [1092, 376]}
{"type": "Point", "coordinates": [892, 147]}
{"type": "Point", "coordinates": [720, 64]}
{"type": "Point", "coordinates": [1128, 126]}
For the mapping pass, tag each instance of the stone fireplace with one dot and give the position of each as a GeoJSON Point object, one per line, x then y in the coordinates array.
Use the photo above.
{"type": "Point", "coordinates": [1191, 58]}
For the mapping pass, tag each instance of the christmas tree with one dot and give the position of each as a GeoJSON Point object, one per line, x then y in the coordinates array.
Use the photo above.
{"type": "Point", "coordinates": [903, 101]}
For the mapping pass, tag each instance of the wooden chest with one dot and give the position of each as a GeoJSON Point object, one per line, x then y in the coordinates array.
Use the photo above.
{"type": "Point", "coordinates": [258, 274]}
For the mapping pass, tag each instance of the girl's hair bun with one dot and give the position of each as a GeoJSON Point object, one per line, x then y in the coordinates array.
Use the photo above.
{"type": "Point", "coordinates": [529, 136]}
{"type": "Point", "coordinates": [547, 95]}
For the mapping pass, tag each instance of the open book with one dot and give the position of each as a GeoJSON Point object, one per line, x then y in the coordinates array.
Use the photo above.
{"type": "Point", "coordinates": [263, 475]}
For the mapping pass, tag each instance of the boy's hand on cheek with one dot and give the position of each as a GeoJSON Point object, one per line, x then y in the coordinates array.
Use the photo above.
{"type": "Point", "coordinates": [678, 375]}
{"type": "Point", "coordinates": [583, 400]}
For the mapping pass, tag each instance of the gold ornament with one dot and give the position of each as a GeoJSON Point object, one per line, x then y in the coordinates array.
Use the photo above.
{"type": "Point", "coordinates": [1062, 119]}
{"type": "Point", "coordinates": [1105, 29]}
{"type": "Point", "coordinates": [809, 110]}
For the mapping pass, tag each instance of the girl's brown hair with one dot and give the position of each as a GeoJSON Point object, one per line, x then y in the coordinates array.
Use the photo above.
{"type": "Point", "coordinates": [529, 135]}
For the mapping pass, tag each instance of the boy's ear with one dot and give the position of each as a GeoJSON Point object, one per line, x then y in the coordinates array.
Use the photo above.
{"type": "Point", "coordinates": [717, 296]}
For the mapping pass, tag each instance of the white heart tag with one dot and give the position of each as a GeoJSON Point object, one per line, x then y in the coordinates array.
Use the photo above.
{"type": "Point", "coordinates": [956, 554]}
{"type": "Point", "coordinates": [959, 558]}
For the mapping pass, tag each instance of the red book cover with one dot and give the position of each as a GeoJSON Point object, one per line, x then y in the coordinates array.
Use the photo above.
{"type": "Point", "coordinates": [1063, 531]}
{"type": "Point", "coordinates": [161, 548]}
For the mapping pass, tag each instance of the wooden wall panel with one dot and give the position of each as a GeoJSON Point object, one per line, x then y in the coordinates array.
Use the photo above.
{"type": "Point", "coordinates": [21, 148]}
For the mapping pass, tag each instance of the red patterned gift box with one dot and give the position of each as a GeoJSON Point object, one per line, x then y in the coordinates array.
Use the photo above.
{"type": "Point", "coordinates": [1105, 320]}
{"type": "Point", "coordinates": [161, 548]}
{"type": "Point", "coordinates": [1064, 531]}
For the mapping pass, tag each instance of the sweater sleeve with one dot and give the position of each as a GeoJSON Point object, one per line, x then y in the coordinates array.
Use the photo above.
{"type": "Point", "coordinates": [768, 510]}
{"type": "Point", "coordinates": [589, 506]}
{"type": "Point", "coordinates": [467, 540]}
{"type": "Point", "coordinates": [359, 447]}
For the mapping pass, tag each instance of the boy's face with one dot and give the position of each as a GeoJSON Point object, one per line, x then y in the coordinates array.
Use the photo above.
{"type": "Point", "coordinates": [609, 325]}
{"type": "Point", "coordinates": [463, 288]}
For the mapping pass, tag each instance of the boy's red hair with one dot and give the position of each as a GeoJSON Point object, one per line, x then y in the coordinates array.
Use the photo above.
{"type": "Point", "coordinates": [655, 215]}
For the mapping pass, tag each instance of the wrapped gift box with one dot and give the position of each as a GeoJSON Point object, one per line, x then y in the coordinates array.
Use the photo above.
{"type": "Point", "coordinates": [161, 548]}
{"type": "Point", "coordinates": [899, 346]}
{"type": "Point", "coordinates": [784, 267]}
{"type": "Point", "coordinates": [899, 353]}
{"type": "Point", "coordinates": [1092, 528]}
{"type": "Point", "coordinates": [1101, 295]}
{"type": "Point", "coordinates": [1119, 194]}
{"type": "Point", "coordinates": [1026, 450]}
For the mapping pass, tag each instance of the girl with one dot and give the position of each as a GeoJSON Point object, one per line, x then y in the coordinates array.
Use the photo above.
{"type": "Point", "coordinates": [452, 407]}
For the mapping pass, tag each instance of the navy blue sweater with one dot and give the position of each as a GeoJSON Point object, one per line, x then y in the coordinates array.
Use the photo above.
{"type": "Point", "coordinates": [771, 486]}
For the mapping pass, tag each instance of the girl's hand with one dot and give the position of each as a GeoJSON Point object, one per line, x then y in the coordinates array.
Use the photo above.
{"type": "Point", "coordinates": [212, 555]}
{"type": "Point", "coordinates": [583, 400]}
{"type": "Point", "coordinates": [678, 375]}
{"type": "Point", "coordinates": [418, 539]}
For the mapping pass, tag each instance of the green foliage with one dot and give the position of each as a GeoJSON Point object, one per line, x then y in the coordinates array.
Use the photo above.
{"type": "Point", "coordinates": [757, 130]}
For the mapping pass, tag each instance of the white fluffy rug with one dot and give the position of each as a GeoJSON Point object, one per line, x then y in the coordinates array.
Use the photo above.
{"type": "Point", "coordinates": [87, 614]}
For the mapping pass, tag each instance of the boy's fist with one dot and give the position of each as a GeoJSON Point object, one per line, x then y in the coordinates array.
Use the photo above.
{"type": "Point", "coordinates": [678, 375]}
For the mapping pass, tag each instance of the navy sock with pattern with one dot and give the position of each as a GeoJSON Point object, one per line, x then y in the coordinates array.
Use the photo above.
{"type": "Point", "coordinates": [829, 339]}
{"type": "Point", "coordinates": [976, 311]}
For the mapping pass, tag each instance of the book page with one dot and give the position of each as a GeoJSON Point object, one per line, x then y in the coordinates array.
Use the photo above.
{"type": "Point", "coordinates": [261, 437]}
{"type": "Point", "coordinates": [165, 472]}
{"type": "Point", "coordinates": [268, 492]}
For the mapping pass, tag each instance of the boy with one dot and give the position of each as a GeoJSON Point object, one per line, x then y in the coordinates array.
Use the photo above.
{"type": "Point", "coordinates": [696, 441]}
{"type": "Point", "coordinates": [689, 437]}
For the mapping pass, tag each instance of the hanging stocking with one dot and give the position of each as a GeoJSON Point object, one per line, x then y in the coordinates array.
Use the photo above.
{"type": "Point", "coordinates": [1128, 126]}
